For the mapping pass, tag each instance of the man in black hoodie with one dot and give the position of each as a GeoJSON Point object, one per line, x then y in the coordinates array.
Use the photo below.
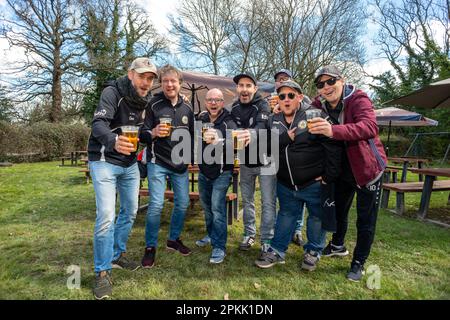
{"type": "Point", "coordinates": [167, 157]}
{"type": "Point", "coordinates": [251, 111]}
{"type": "Point", "coordinates": [215, 172]}
{"type": "Point", "coordinates": [112, 163]}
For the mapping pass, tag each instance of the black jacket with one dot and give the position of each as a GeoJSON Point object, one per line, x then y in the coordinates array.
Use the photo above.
{"type": "Point", "coordinates": [159, 150]}
{"type": "Point", "coordinates": [223, 123]}
{"type": "Point", "coordinates": [307, 157]}
{"type": "Point", "coordinates": [254, 115]}
{"type": "Point", "coordinates": [119, 105]}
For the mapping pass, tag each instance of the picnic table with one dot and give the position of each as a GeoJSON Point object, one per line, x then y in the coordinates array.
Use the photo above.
{"type": "Point", "coordinates": [74, 157]}
{"type": "Point", "coordinates": [405, 161]}
{"type": "Point", "coordinates": [431, 175]}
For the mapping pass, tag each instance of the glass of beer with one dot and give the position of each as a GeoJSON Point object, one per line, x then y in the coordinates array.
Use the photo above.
{"type": "Point", "coordinates": [311, 114]}
{"type": "Point", "coordinates": [205, 127]}
{"type": "Point", "coordinates": [239, 144]}
{"type": "Point", "coordinates": [167, 122]}
{"type": "Point", "coordinates": [273, 100]}
{"type": "Point", "coordinates": [131, 132]}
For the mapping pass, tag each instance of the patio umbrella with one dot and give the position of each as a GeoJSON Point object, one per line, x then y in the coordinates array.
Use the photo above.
{"type": "Point", "coordinates": [435, 95]}
{"type": "Point", "coordinates": [396, 117]}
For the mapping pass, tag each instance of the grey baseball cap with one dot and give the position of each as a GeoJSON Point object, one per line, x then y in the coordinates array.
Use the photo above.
{"type": "Point", "coordinates": [286, 71]}
{"type": "Point", "coordinates": [245, 75]}
{"type": "Point", "coordinates": [142, 65]}
{"type": "Point", "coordinates": [290, 84]}
{"type": "Point", "coordinates": [329, 70]}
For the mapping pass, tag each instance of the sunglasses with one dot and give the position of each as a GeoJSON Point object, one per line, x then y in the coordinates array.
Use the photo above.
{"type": "Point", "coordinates": [330, 82]}
{"type": "Point", "coordinates": [212, 100]}
{"type": "Point", "coordinates": [290, 95]}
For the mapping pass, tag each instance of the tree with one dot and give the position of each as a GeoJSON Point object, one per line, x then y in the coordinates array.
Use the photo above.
{"type": "Point", "coordinates": [408, 39]}
{"type": "Point", "coordinates": [6, 106]}
{"type": "Point", "coordinates": [46, 30]}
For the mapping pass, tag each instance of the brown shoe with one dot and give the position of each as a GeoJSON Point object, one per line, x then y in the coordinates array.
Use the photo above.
{"type": "Point", "coordinates": [149, 258]}
{"type": "Point", "coordinates": [177, 245]}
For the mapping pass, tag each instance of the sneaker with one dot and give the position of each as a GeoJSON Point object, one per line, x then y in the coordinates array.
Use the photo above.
{"type": "Point", "coordinates": [206, 240]}
{"type": "Point", "coordinates": [332, 250]}
{"type": "Point", "coordinates": [124, 263]}
{"type": "Point", "coordinates": [264, 249]}
{"type": "Point", "coordinates": [103, 285]}
{"type": "Point", "coordinates": [177, 245]}
{"type": "Point", "coordinates": [148, 260]}
{"type": "Point", "coordinates": [271, 258]}
{"type": "Point", "coordinates": [217, 256]}
{"type": "Point", "coordinates": [298, 238]}
{"type": "Point", "coordinates": [310, 260]}
{"type": "Point", "coordinates": [247, 243]}
{"type": "Point", "coordinates": [356, 272]}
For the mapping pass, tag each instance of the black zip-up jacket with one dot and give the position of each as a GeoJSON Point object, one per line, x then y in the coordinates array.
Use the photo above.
{"type": "Point", "coordinates": [253, 115]}
{"type": "Point", "coordinates": [159, 150]}
{"type": "Point", "coordinates": [307, 157]}
{"type": "Point", "coordinates": [223, 123]}
{"type": "Point", "coordinates": [119, 105]}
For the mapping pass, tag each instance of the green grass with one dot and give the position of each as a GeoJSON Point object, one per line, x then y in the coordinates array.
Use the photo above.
{"type": "Point", "coordinates": [47, 218]}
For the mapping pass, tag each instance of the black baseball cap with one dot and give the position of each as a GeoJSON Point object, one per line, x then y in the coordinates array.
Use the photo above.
{"type": "Point", "coordinates": [245, 75]}
{"type": "Point", "coordinates": [329, 70]}
{"type": "Point", "coordinates": [286, 71]}
{"type": "Point", "coordinates": [290, 84]}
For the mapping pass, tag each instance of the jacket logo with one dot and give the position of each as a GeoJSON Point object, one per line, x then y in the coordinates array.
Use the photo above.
{"type": "Point", "coordinates": [100, 113]}
{"type": "Point", "coordinates": [302, 124]}
{"type": "Point", "coordinates": [328, 204]}
{"type": "Point", "coordinates": [185, 120]}
{"type": "Point", "coordinates": [264, 117]}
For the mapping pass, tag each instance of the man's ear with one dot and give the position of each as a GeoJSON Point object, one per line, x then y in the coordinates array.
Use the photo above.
{"type": "Point", "coordinates": [256, 88]}
{"type": "Point", "coordinates": [130, 74]}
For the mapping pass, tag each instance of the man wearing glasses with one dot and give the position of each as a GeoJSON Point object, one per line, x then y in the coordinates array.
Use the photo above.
{"type": "Point", "coordinates": [306, 162]}
{"type": "Point", "coordinates": [363, 163]}
{"type": "Point", "coordinates": [251, 111]}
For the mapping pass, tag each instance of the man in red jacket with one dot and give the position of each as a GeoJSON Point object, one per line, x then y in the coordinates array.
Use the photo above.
{"type": "Point", "coordinates": [351, 112]}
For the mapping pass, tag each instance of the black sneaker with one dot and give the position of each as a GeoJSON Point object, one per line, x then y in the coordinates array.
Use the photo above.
{"type": "Point", "coordinates": [356, 272]}
{"type": "Point", "coordinates": [149, 258]}
{"type": "Point", "coordinates": [332, 250]}
{"type": "Point", "coordinates": [177, 245]}
{"type": "Point", "coordinates": [103, 285]}
{"type": "Point", "coordinates": [247, 243]}
{"type": "Point", "coordinates": [124, 263]}
{"type": "Point", "coordinates": [270, 259]}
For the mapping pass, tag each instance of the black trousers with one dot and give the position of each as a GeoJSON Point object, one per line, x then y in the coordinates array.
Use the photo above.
{"type": "Point", "coordinates": [367, 203]}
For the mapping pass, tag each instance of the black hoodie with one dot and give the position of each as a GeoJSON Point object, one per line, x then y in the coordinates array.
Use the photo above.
{"type": "Point", "coordinates": [223, 123]}
{"type": "Point", "coordinates": [119, 105]}
{"type": "Point", "coordinates": [159, 150]}
{"type": "Point", "coordinates": [253, 115]}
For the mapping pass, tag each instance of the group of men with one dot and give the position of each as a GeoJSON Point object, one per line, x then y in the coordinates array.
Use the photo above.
{"type": "Point", "coordinates": [321, 163]}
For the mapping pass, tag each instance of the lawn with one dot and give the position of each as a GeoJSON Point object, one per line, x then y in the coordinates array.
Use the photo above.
{"type": "Point", "coordinates": [46, 223]}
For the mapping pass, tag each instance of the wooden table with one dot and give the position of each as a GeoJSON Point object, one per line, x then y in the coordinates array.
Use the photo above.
{"type": "Point", "coordinates": [405, 161]}
{"type": "Point", "coordinates": [431, 175]}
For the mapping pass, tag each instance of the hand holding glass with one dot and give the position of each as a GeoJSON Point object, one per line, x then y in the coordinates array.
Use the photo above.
{"type": "Point", "coordinates": [166, 124]}
{"type": "Point", "coordinates": [311, 114]}
{"type": "Point", "coordinates": [131, 132]}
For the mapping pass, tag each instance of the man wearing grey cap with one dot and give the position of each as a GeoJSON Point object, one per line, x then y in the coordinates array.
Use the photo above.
{"type": "Point", "coordinates": [251, 112]}
{"type": "Point", "coordinates": [306, 162]}
{"type": "Point", "coordinates": [363, 163]}
{"type": "Point", "coordinates": [113, 166]}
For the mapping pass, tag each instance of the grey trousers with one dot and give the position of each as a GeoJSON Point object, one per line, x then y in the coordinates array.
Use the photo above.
{"type": "Point", "coordinates": [268, 202]}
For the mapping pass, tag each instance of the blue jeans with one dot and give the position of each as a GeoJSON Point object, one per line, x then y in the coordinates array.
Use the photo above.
{"type": "Point", "coordinates": [301, 218]}
{"type": "Point", "coordinates": [290, 202]}
{"type": "Point", "coordinates": [156, 187]}
{"type": "Point", "coordinates": [110, 239]}
{"type": "Point", "coordinates": [213, 199]}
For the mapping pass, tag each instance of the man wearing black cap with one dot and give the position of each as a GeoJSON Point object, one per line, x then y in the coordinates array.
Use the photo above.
{"type": "Point", "coordinates": [251, 111]}
{"type": "Point", "coordinates": [364, 161]}
{"type": "Point", "coordinates": [113, 166]}
{"type": "Point", "coordinates": [305, 162]}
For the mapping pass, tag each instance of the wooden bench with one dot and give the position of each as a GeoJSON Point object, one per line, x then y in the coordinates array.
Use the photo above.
{"type": "Point", "coordinates": [63, 159]}
{"type": "Point", "coordinates": [195, 196]}
{"type": "Point", "coordinates": [402, 188]}
{"type": "Point", "coordinates": [388, 172]}
{"type": "Point", "coordinates": [87, 174]}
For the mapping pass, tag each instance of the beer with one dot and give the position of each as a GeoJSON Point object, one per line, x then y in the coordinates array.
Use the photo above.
{"type": "Point", "coordinates": [205, 128]}
{"type": "Point", "coordinates": [167, 123]}
{"type": "Point", "coordinates": [131, 132]}
{"type": "Point", "coordinates": [239, 144]}
{"type": "Point", "coordinates": [311, 114]}
{"type": "Point", "coordinates": [273, 100]}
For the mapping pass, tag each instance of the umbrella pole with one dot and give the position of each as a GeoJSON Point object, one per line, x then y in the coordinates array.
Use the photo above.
{"type": "Point", "coordinates": [389, 138]}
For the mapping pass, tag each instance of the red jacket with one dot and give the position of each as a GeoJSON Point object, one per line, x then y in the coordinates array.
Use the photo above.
{"type": "Point", "coordinates": [358, 128]}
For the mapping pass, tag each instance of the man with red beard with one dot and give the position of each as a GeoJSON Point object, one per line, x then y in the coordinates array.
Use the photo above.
{"type": "Point", "coordinates": [252, 112]}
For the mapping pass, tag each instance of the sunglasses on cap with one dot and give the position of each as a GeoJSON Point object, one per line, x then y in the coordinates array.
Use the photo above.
{"type": "Point", "coordinates": [290, 95]}
{"type": "Point", "coordinates": [330, 82]}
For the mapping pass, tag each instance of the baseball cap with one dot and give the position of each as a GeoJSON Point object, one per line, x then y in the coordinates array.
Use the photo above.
{"type": "Point", "coordinates": [290, 84]}
{"type": "Point", "coordinates": [286, 71]}
{"type": "Point", "coordinates": [329, 70]}
{"type": "Point", "coordinates": [245, 75]}
{"type": "Point", "coordinates": [142, 65]}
